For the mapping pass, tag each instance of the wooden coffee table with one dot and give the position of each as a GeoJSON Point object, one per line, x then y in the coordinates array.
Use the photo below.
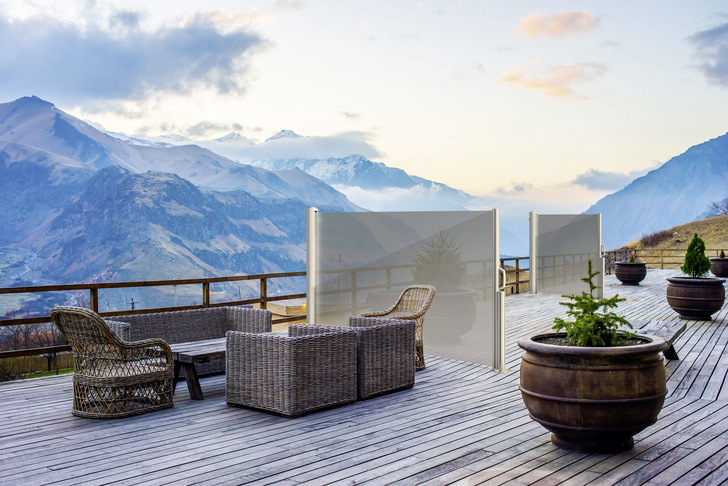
{"type": "Point", "coordinates": [185, 356]}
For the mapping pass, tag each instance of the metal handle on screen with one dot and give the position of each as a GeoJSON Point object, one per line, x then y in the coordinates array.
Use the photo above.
{"type": "Point", "coordinates": [502, 273]}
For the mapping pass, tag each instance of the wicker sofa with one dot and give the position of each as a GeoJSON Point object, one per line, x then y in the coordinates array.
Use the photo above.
{"type": "Point", "coordinates": [291, 374]}
{"type": "Point", "coordinates": [193, 325]}
{"type": "Point", "coordinates": [385, 353]}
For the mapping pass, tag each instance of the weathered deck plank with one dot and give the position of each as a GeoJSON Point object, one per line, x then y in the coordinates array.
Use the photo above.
{"type": "Point", "coordinates": [461, 424]}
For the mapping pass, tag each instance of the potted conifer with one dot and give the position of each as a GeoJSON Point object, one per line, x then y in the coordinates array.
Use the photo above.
{"type": "Point", "coordinates": [439, 263]}
{"type": "Point", "coordinates": [631, 272]}
{"type": "Point", "coordinates": [719, 265]}
{"type": "Point", "coordinates": [594, 385]}
{"type": "Point", "coordinates": [696, 296]}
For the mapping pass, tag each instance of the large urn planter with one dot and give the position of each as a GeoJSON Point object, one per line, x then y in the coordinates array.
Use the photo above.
{"type": "Point", "coordinates": [695, 298]}
{"type": "Point", "coordinates": [719, 267]}
{"type": "Point", "coordinates": [593, 399]}
{"type": "Point", "coordinates": [630, 273]}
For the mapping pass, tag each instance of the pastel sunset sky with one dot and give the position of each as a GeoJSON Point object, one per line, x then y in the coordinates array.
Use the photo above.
{"type": "Point", "coordinates": [561, 101]}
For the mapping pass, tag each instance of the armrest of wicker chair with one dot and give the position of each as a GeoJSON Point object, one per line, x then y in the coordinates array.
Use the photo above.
{"type": "Point", "coordinates": [153, 352]}
{"type": "Point", "coordinates": [386, 354]}
{"type": "Point", "coordinates": [291, 375]}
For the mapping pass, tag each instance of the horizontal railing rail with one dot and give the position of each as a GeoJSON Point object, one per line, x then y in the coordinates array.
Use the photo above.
{"type": "Point", "coordinates": [93, 292]}
{"type": "Point", "coordinates": [654, 257]}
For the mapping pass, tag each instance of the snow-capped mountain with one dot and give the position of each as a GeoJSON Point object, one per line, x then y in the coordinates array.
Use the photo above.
{"type": "Point", "coordinates": [78, 205]}
{"type": "Point", "coordinates": [284, 134]}
{"type": "Point", "coordinates": [36, 123]}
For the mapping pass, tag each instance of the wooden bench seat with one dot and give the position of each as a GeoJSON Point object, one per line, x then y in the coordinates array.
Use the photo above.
{"type": "Point", "coordinates": [669, 331]}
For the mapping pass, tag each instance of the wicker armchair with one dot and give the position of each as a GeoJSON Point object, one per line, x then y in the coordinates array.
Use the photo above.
{"type": "Point", "coordinates": [412, 303]}
{"type": "Point", "coordinates": [385, 350]}
{"type": "Point", "coordinates": [114, 378]}
{"type": "Point", "coordinates": [291, 374]}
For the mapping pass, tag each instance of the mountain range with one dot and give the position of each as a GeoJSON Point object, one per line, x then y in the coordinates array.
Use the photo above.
{"type": "Point", "coordinates": [677, 192]}
{"type": "Point", "coordinates": [78, 204]}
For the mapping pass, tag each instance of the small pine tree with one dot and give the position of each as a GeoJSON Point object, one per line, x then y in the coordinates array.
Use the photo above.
{"type": "Point", "coordinates": [722, 254]}
{"type": "Point", "coordinates": [589, 327]}
{"type": "Point", "coordinates": [696, 263]}
{"type": "Point", "coordinates": [439, 263]}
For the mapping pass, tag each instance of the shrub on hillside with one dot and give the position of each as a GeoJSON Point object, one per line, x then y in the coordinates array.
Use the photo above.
{"type": "Point", "coordinates": [656, 238]}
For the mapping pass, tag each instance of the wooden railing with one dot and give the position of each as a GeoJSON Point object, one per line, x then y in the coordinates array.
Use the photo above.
{"type": "Point", "coordinates": [654, 257]}
{"type": "Point", "coordinates": [517, 277]}
{"type": "Point", "coordinates": [516, 281]}
{"type": "Point", "coordinates": [93, 290]}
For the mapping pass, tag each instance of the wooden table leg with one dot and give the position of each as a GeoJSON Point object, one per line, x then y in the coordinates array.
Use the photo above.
{"type": "Point", "coordinates": [670, 352]}
{"type": "Point", "coordinates": [176, 375]}
{"type": "Point", "coordinates": [193, 383]}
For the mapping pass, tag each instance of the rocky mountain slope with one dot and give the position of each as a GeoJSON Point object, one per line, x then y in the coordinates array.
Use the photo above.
{"type": "Point", "coordinates": [677, 192]}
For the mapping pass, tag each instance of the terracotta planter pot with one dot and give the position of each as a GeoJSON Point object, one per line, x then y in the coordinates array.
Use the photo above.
{"type": "Point", "coordinates": [719, 267]}
{"type": "Point", "coordinates": [630, 273]}
{"type": "Point", "coordinates": [593, 399]}
{"type": "Point", "coordinates": [695, 298]}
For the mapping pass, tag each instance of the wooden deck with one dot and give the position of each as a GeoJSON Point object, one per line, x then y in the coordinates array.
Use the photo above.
{"type": "Point", "coordinates": [461, 423]}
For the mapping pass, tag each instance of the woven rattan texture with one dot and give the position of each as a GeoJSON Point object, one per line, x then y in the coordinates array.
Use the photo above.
{"type": "Point", "coordinates": [385, 350]}
{"type": "Point", "coordinates": [197, 325]}
{"type": "Point", "coordinates": [291, 374]}
{"type": "Point", "coordinates": [411, 304]}
{"type": "Point", "coordinates": [114, 378]}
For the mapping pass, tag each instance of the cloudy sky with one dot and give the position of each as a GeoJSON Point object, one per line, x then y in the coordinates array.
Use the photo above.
{"type": "Point", "coordinates": [546, 100]}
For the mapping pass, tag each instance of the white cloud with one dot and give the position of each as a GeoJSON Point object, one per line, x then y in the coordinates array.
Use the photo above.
{"type": "Point", "coordinates": [554, 81]}
{"type": "Point", "coordinates": [711, 48]}
{"type": "Point", "coordinates": [561, 24]}
{"type": "Point", "coordinates": [116, 59]}
{"type": "Point", "coordinates": [416, 198]}
{"type": "Point", "coordinates": [598, 180]}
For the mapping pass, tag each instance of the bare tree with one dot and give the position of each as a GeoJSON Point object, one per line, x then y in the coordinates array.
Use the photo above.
{"type": "Point", "coordinates": [46, 335]}
{"type": "Point", "coordinates": [718, 208]}
{"type": "Point", "coordinates": [14, 337]}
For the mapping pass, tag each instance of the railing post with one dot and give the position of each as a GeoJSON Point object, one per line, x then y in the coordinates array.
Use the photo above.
{"type": "Point", "coordinates": [485, 278]}
{"type": "Point", "coordinates": [94, 299]}
{"type": "Point", "coordinates": [206, 294]}
{"type": "Point", "coordinates": [389, 279]}
{"type": "Point", "coordinates": [264, 293]}
{"type": "Point", "coordinates": [518, 275]}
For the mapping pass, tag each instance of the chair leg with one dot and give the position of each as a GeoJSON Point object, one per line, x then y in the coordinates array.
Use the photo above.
{"type": "Point", "coordinates": [419, 345]}
{"type": "Point", "coordinates": [419, 356]}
